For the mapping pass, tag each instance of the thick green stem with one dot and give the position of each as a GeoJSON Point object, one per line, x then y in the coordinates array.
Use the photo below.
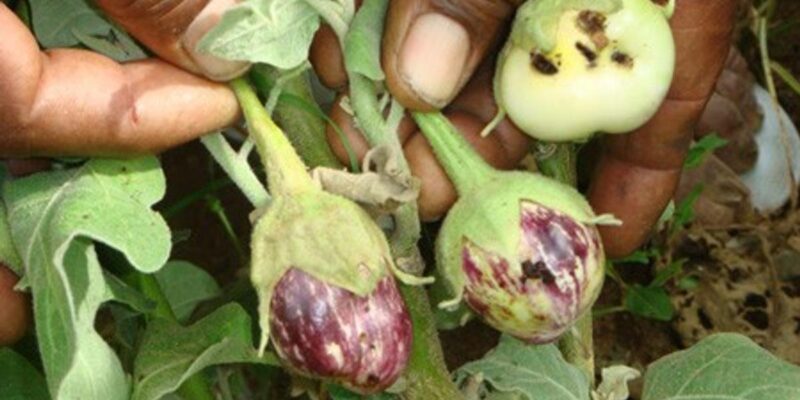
{"type": "Point", "coordinates": [577, 345]}
{"type": "Point", "coordinates": [286, 172]}
{"type": "Point", "coordinates": [304, 123]}
{"type": "Point", "coordinates": [427, 373]}
{"type": "Point", "coordinates": [462, 163]}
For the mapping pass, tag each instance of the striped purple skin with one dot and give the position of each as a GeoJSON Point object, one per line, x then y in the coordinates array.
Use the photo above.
{"type": "Point", "coordinates": [326, 332]}
{"type": "Point", "coordinates": [557, 277]}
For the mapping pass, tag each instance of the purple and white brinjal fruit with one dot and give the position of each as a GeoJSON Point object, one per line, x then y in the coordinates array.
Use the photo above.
{"type": "Point", "coordinates": [323, 272]}
{"type": "Point", "coordinates": [323, 330]}
{"type": "Point", "coordinates": [522, 250]}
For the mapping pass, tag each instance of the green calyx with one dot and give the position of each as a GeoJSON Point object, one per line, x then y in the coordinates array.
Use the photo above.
{"type": "Point", "coordinates": [536, 23]}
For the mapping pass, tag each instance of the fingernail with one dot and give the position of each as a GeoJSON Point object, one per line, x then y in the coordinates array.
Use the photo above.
{"type": "Point", "coordinates": [433, 57]}
{"type": "Point", "coordinates": [211, 66]}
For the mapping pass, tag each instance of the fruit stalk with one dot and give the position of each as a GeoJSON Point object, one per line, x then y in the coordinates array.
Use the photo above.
{"type": "Point", "coordinates": [287, 173]}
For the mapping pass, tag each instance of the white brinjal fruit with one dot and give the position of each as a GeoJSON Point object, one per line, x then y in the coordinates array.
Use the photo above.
{"type": "Point", "coordinates": [571, 68]}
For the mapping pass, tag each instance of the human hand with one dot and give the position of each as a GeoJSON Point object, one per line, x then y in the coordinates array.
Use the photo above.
{"type": "Point", "coordinates": [76, 102]}
{"type": "Point", "coordinates": [636, 174]}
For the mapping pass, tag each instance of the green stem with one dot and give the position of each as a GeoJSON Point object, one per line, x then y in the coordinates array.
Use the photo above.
{"type": "Point", "coordinates": [287, 173]}
{"type": "Point", "coordinates": [298, 114]}
{"type": "Point", "coordinates": [427, 373]}
{"type": "Point", "coordinates": [577, 345]}
{"type": "Point", "coordinates": [558, 162]}
{"type": "Point", "coordinates": [236, 168]}
{"type": "Point", "coordinates": [462, 163]}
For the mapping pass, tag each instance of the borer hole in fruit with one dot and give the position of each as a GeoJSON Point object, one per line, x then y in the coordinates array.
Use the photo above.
{"type": "Point", "coordinates": [587, 53]}
{"type": "Point", "coordinates": [537, 270]}
{"type": "Point", "coordinates": [660, 2]}
{"type": "Point", "coordinates": [622, 59]}
{"type": "Point", "coordinates": [543, 64]}
{"type": "Point", "coordinates": [593, 24]}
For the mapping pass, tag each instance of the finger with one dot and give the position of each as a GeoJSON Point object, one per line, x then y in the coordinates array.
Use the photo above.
{"type": "Point", "coordinates": [326, 58]}
{"type": "Point", "coordinates": [477, 98]}
{"type": "Point", "coordinates": [638, 173]}
{"type": "Point", "coordinates": [173, 28]}
{"type": "Point", "coordinates": [14, 309]}
{"type": "Point", "coordinates": [431, 47]}
{"type": "Point", "coordinates": [74, 102]}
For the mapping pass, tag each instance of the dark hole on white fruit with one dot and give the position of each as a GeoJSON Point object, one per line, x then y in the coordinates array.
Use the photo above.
{"type": "Point", "coordinates": [622, 59]}
{"type": "Point", "coordinates": [543, 64]}
{"type": "Point", "coordinates": [537, 270]}
{"type": "Point", "coordinates": [372, 379]}
{"type": "Point", "coordinates": [587, 53]}
{"type": "Point", "coordinates": [591, 21]}
{"type": "Point", "coordinates": [362, 337]}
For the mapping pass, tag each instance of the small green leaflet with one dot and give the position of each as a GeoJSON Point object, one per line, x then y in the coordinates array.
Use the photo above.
{"type": "Point", "coordinates": [275, 32]}
{"type": "Point", "coordinates": [702, 149]}
{"type": "Point", "coordinates": [67, 23]}
{"type": "Point", "coordinates": [529, 372]}
{"type": "Point", "coordinates": [722, 366]}
{"type": "Point", "coordinates": [649, 302]}
{"type": "Point", "coordinates": [170, 353]}
{"type": "Point", "coordinates": [363, 42]}
{"type": "Point", "coordinates": [8, 254]}
{"type": "Point", "coordinates": [340, 393]}
{"type": "Point", "coordinates": [185, 285]}
{"type": "Point", "coordinates": [55, 217]}
{"type": "Point", "coordinates": [21, 381]}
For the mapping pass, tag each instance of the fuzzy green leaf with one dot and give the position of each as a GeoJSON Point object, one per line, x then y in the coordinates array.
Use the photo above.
{"type": "Point", "coordinates": [275, 32]}
{"type": "Point", "coordinates": [54, 218]}
{"type": "Point", "coordinates": [21, 381]}
{"type": "Point", "coordinates": [363, 42]}
{"type": "Point", "coordinates": [529, 372]}
{"type": "Point", "coordinates": [66, 23]}
{"type": "Point", "coordinates": [8, 254]}
{"type": "Point", "coordinates": [649, 302]}
{"type": "Point", "coordinates": [171, 353]}
{"type": "Point", "coordinates": [185, 285]}
{"type": "Point", "coordinates": [723, 366]}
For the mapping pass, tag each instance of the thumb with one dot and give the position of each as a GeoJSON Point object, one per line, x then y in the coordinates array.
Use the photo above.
{"type": "Point", "coordinates": [432, 47]}
{"type": "Point", "coordinates": [172, 29]}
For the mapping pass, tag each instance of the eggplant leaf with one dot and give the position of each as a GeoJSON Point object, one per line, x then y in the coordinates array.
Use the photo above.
{"type": "Point", "coordinates": [55, 217]}
{"type": "Point", "coordinates": [185, 285]}
{"type": "Point", "coordinates": [8, 254]}
{"type": "Point", "coordinates": [66, 23]}
{"type": "Point", "coordinates": [649, 302]}
{"type": "Point", "coordinates": [171, 353]}
{"type": "Point", "coordinates": [527, 372]}
{"type": "Point", "coordinates": [722, 366]}
{"type": "Point", "coordinates": [275, 32]}
{"type": "Point", "coordinates": [21, 381]}
{"type": "Point", "coordinates": [363, 42]}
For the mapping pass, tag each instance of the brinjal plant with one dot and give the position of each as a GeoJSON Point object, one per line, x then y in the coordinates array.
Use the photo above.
{"type": "Point", "coordinates": [323, 272]}
{"type": "Point", "coordinates": [571, 68]}
{"type": "Point", "coordinates": [520, 249]}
